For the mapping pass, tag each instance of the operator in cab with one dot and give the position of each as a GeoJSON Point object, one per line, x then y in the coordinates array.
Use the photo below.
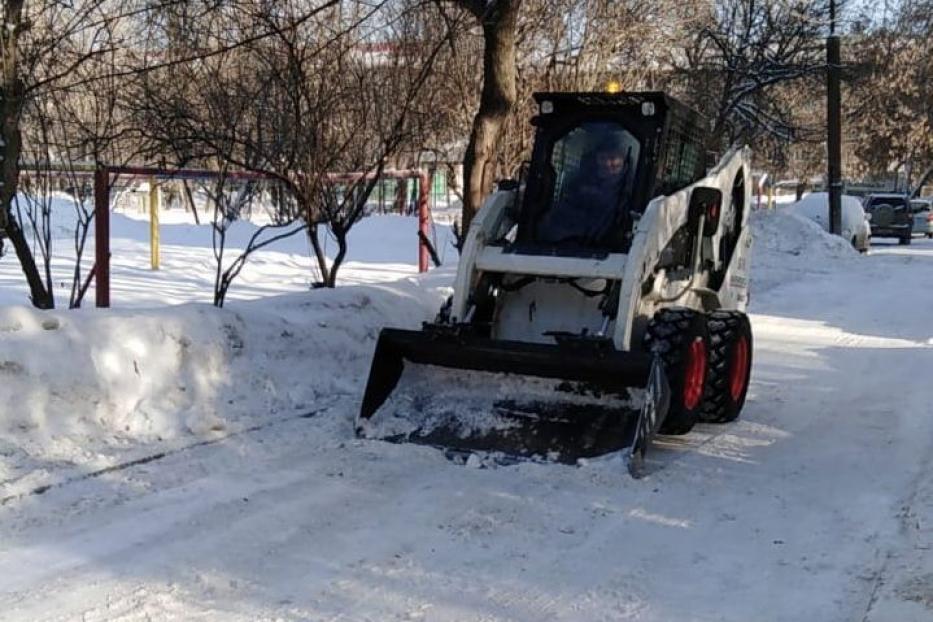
{"type": "Point", "coordinates": [594, 203]}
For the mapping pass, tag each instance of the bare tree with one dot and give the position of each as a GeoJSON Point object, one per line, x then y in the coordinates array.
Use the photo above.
{"type": "Point", "coordinates": [13, 94]}
{"type": "Point", "coordinates": [552, 45]}
{"type": "Point", "coordinates": [890, 108]}
{"type": "Point", "coordinates": [50, 47]}
{"type": "Point", "coordinates": [231, 201]}
{"type": "Point", "coordinates": [737, 53]}
{"type": "Point", "coordinates": [499, 22]}
{"type": "Point", "coordinates": [43, 45]}
{"type": "Point", "coordinates": [66, 132]}
{"type": "Point", "coordinates": [314, 100]}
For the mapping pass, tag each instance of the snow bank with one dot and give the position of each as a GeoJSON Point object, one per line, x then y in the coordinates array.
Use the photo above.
{"type": "Point", "coordinates": [785, 233]}
{"type": "Point", "coordinates": [84, 389]}
{"type": "Point", "coordinates": [786, 244]}
{"type": "Point", "coordinates": [89, 388]}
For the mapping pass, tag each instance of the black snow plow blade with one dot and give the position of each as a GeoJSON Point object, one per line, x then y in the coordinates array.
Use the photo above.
{"type": "Point", "coordinates": [563, 429]}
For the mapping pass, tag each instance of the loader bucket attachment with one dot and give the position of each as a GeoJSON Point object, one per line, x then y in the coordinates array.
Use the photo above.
{"type": "Point", "coordinates": [565, 429]}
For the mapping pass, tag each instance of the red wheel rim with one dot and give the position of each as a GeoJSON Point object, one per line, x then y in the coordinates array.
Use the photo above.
{"type": "Point", "coordinates": [694, 374]}
{"type": "Point", "coordinates": [739, 373]}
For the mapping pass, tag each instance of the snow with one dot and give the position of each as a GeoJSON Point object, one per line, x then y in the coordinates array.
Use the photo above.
{"type": "Point", "coordinates": [187, 263]}
{"type": "Point", "coordinates": [815, 206]}
{"type": "Point", "coordinates": [788, 247]}
{"type": "Point", "coordinates": [95, 388]}
{"type": "Point", "coordinates": [169, 460]}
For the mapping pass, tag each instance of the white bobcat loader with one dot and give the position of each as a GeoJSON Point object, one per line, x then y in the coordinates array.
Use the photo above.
{"type": "Point", "coordinates": [618, 263]}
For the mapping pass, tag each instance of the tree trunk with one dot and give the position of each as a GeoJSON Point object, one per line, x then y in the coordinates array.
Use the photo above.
{"type": "Point", "coordinates": [499, 23]}
{"type": "Point", "coordinates": [11, 95]}
{"type": "Point", "coordinates": [11, 106]}
{"type": "Point", "coordinates": [916, 190]}
{"type": "Point", "coordinates": [220, 281]}
{"type": "Point", "coordinates": [802, 186]}
{"type": "Point", "coordinates": [338, 259]}
{"type": "Point", "coordinates": [41, 297]}
{"type": "Point", "coordinates": [319, 255]}
{"type": "Point", "coordinates": [189, 201]}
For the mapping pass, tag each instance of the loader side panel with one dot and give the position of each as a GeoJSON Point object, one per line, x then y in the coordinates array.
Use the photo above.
{"type": "Point", "coordinates": [489, 225]}
{"type": "Point", "coordinates": [734, 292]}
{"type": "Point", "coordinates": [662, 219]}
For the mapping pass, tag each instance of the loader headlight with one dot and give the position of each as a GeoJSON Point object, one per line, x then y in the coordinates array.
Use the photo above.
{"type": "Point", "coordinates": [547, 107]}
{"type": "Point", "coordinates": [647, 109]}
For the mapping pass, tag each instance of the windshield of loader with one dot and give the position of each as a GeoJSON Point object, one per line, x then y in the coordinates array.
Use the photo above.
{"type": "Point", "coordinates": [593, 168]}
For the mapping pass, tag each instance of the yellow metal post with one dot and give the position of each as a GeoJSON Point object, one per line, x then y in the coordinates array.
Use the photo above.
{"type": "Point", "coordinates": [154, 223]}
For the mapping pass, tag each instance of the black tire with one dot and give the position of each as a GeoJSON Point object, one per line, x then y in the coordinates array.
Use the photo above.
{"type": "Point", "coordinates": [929, 235]}
{"type": "Point", "coordinates": [672, 333]}
{"type": "Point", "coordinates": [730, 366]}
{"type": "Point", "coordinates": [905, 241]}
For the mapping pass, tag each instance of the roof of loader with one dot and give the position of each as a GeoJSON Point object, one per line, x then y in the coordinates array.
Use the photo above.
{"type": "Point", "coordinates": [567, 102]}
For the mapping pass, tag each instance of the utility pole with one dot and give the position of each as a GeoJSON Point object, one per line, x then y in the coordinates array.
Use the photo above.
{"type": "Point", "coordinates": [833, 125]}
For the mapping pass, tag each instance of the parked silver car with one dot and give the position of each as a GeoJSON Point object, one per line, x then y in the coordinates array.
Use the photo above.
{"type": "Point", "coordinates": [922, 211]}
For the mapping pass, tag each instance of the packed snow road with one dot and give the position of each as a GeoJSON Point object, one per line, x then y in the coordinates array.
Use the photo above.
{"type": "Point", "coordinates": [817, 505]}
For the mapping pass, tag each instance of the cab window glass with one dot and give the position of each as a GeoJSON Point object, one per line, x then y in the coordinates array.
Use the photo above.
{"type": "Point", "coordinates": [594, 176]}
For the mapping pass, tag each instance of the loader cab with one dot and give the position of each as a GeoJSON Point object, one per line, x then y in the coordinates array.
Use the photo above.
{"type": "Point", "coordinates": [597, 161]}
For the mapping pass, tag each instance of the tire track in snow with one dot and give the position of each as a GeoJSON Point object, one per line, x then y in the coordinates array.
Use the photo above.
{"type": "Point", "coordinates": [898, 556]}
{"type": "Point", "coordinates": [160, 455]}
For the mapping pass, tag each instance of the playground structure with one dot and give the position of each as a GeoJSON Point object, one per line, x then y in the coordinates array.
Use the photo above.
{"type": "Point", "coordinates": [425, 247]}
{"type": "Point", "coordinates": [100, 272]}
{"type": "Point", "coordinates": [103, 176]}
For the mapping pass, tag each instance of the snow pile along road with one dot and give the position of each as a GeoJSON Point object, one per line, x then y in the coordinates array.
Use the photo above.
{"type": "Point", "coordinates": [96, 388]}
{"type": "Point", "coordinates": [787, 245]}
{"type": "Point", "coordinates": [87, 388]}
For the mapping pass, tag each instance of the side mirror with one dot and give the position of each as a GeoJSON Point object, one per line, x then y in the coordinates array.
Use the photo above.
{"type": "Point", "coordinates": [705, 201]}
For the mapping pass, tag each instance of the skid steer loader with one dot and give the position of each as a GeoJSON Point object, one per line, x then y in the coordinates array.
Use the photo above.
{"type": "Point", "coordinates": [615, 274]}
